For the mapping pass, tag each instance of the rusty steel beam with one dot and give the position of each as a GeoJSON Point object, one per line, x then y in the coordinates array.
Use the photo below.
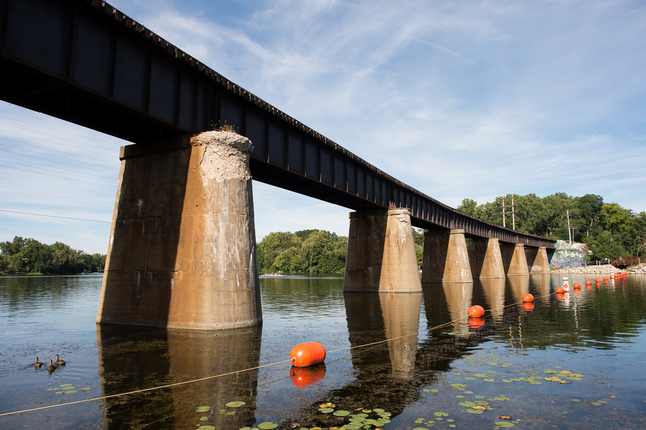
{"type": "Point", "coordinates": [85, 62]}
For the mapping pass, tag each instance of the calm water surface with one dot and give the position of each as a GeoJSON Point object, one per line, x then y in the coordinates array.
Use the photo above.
{"type": "Point", "coordinates": [404, 361]}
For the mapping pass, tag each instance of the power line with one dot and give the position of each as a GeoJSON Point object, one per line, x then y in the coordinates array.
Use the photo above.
{"type": "Point", "coordinates": [59, 176]}
{"type": "Point", "coordinates": [56, 168]}
{"type": "Point", "coordinates": [54, 129]}
{"type": "Point", "coordinates": [31, 151]}
{"type": "Point", "coordinates": [55, 216]}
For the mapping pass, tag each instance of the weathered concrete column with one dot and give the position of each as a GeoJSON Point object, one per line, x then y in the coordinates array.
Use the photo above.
{"type": "Point", "coordinates": [182, 248]}
{"type": "Point", "coordinates": [485, 258]}
{"type": "Point", "coordinates": [514, 260]}
{"type": "Point", "coordinates": [381, 253]}
{"type": "Point", "coordinates": [537, 259]}
{"type": "Point", "coordinates": [445, 257]}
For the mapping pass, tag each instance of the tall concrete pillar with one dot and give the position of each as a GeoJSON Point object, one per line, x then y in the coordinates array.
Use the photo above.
{"type": "Point", "coordinates": [537, 259]}
{"type": "Point", "coordinates": [182, 248]}
{"type": "Point", "coordinates": [381, 253]}
{"type": "Point", "coordinates": [514, 260]}
{"type": "Point", "coordinates": [445, 257]}
{"type": "Point", "coordinates": [485, 258]}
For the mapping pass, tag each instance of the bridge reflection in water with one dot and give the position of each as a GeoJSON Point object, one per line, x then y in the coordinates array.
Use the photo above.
{"type": "Point", "coordinates": [390, 374]}
{"type": "Point", "coordinates": [135, 359]}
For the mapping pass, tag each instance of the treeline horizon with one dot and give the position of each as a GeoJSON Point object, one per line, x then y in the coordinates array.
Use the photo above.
{"type": "Point", "coordinates": [608, 229]}
{"type": "Point", "coordinates": [30, 257]}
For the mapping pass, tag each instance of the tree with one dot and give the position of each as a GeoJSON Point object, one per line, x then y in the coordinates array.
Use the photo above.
{"type": "Point", "coordinates": [469, 207]}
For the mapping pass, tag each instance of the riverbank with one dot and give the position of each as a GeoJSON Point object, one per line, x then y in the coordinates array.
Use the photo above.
{"type": "Point", "coordinates": [592, 269]}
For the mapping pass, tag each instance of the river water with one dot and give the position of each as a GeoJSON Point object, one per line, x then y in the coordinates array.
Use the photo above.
{"type": "Point", "coordinates": [394, 361]}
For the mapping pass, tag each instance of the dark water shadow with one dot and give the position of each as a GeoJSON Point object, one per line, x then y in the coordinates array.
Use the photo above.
{"type": "Point", "coordinates": [139, 358]}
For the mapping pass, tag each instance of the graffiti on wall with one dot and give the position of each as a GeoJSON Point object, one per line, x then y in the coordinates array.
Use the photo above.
{"type": "Point", "coordinates": [567, 258]}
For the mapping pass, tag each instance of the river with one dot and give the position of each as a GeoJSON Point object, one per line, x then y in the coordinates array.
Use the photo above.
{"type": "Point", "coordinates": [394, 361]}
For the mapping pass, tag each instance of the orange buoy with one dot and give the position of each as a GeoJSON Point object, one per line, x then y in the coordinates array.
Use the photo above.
{"type": "Point", "coordinates": [476, 311]}
{"type": "Point", "coordinates": [528, 298]}
{"type": "Point", "coordinates": [577, 286]}
{"type": "Point", "coordinates": [598, 280]}
{"type": "Point", "coordinates": [560, 290]}
{"type": "Point", "coordinates": [560, 296]}
{"type": "Point", "coordinates": [304, 376]}
{"type": "Point", "coordinates": [589, 281]}
{"type": "Point", "coordinates": [476, 322]}
{"type": "Point", "coordinates": [528, 306]}
{"type": "Point", "coordinates": [307, 354]}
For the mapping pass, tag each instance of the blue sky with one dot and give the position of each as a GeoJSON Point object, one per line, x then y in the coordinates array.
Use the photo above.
{"type": "Point", "coordinates": [455, 98]}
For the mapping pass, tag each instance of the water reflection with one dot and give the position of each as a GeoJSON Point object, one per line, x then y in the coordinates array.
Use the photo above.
{"type": "Point", "coordinates": [401, 319]}
{"type": "Point", "coordinates": [519, 285]}
{"type": "Point", "coordinates": [494, 294]}
{"type": "Point", "coordinates": [452, 297]}
{"type": "Point", "coordinates": [138, 359]}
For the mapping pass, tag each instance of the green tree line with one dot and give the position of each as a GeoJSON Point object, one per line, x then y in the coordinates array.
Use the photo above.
{"type": "Point", "coordinates": [28, 256]}
{"type": "Point", "coordinates": [310, 251]}
{"type": "Point", "coordinates": [607, 228]}
{"type": "Point", "coordinates": [306, 251]}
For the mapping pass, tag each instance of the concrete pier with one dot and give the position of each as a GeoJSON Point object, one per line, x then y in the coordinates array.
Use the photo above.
{"type": "Point", "coordinates": [182, 248]}
{"type": "Point", "coordinates": [485, 258]}
{"type": "Point", "coordinates": [537, 259]}
{"type": "Point", "coordinates": [381, 253]}
{"type": "Point", "coordinates": [514, 260]}
{"type": "Point", "coordinates": [445, 257]}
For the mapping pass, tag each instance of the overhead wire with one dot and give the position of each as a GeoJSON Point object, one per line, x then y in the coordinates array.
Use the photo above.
{"type": "Point", "coordinates": [55, 168]}
{"type": "Point", "coordinates": [73, 177]}
{"type": "Point", "coordinates": [55, 216]}
{"type": "Point", "coordinates": [206, 378]}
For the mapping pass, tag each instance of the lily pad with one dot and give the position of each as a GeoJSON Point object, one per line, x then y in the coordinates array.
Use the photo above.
{"type": "Point", "coordinates": [475, 411]}
{"type": "Point", "coordinates": [59, 392]}
{"type": "Point", "coordinates": [204, 418]}
{"type": "Point", "coordinates": [504, 424]}
{"type": "Point", "coordinates": [235, 404]}
{"type": "Point", "coordinates": [326, 410]}
{"type": "Point", "coordinates": [206, 428]}
{"type": "Point", "coordinates": [85, 388]}
{"type": "Point", "coordinates": [267, 425]}
{"type": "Point", "coordinates": [441, 414]}
{"type": "Point", "coordinates": [203, 409]}
{"type": "Point", "coordinates": [467, 404]}
{"type": "Point", "coordinates": [341, 413]}
{"type": "Point", "coordinates": [71, 391]}
{"type": "Point", "coordinates": [434, 390]}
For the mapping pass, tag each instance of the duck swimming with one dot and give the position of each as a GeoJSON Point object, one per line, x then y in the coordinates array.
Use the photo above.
{"type": "Point", "coordinates": [59, 362]}
{"type": "Point", "coordinates": [51, 367]}
{"type": "Point", "coordinates": [38, 363]}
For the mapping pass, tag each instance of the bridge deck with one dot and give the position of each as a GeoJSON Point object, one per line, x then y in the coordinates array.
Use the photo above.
{"type": "Point", "coordinates": [85, 62]}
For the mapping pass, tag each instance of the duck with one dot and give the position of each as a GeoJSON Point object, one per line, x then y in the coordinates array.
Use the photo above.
{"type": "Point", "coordinates": [51, 367]}
{"type": "Point", "coordinates": [38, 363]}
{"type": "Point", "coordinates": [59, 362]}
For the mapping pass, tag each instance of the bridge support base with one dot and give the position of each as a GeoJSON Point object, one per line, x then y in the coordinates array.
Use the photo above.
{"type": "Point", "coordinates": [537, 260]}
{"type": "Point", "coordinates": [445, 257]}
{"type": "Point", "coordinates": [485, 258]}
{"type": "Point", "coordinates": [381, 253]}
{"type": "Point", "coordinates": [514, 260]}
{"type": "Point", "coordinates": [182, 248]}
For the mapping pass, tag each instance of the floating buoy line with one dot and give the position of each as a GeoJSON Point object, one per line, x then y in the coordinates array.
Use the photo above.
{"type": "Point", "coordinates": [206, 378]}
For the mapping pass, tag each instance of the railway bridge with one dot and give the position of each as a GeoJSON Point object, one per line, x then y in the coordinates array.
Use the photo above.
{"type": "Point", "coordinates": [182, 245]}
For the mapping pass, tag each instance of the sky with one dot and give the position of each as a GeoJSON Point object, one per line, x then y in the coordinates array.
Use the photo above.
{"type": "Point", "coordinates": [458, 99]}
